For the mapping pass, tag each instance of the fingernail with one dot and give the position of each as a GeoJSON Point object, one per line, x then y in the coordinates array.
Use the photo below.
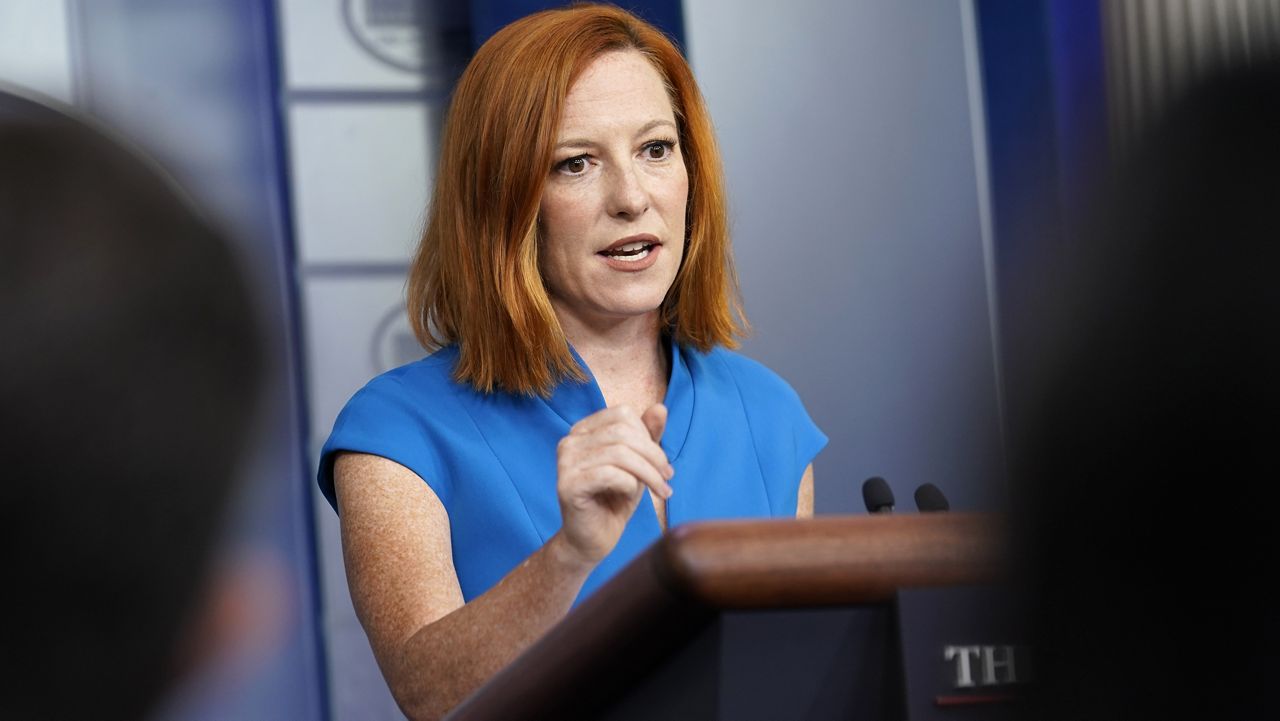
{"type": "Point", "coordinates": [670, 492]}
{"type": "Point", "coordinates": [671, 471]}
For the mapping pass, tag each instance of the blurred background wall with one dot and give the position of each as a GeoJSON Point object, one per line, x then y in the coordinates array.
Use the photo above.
{"type": "Point", "coordinates": [892, 166]}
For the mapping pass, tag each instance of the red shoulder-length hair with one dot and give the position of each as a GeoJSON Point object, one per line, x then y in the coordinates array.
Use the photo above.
{"type": "Point", "coordinates": [475, 280]}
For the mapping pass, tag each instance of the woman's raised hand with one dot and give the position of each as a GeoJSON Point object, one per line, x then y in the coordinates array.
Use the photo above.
{"type": "Point", "coordinates": [604, 466]}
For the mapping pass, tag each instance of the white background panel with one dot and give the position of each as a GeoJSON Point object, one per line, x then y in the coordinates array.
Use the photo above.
{"type": "Point", "coordinates": [356, 329]}
{"type": "Point", "coordinates": [360, 179]}
{"type": "Point", "coordinates": [34, 51]}
{"type": "Point", "coordinates": [321, 51]}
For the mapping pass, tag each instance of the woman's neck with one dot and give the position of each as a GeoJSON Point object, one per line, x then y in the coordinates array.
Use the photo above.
{"type": "Point", "coordinates": [626, 357]}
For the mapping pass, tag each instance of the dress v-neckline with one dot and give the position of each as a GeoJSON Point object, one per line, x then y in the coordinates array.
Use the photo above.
{"type": "Point", "coordinates": [575, 401]}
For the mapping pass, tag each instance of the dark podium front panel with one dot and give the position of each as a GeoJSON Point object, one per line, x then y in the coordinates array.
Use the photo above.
{"type": "Point", "coordinates": [965, 653]}
{"type": "Point", "coordinates": [823, 664]}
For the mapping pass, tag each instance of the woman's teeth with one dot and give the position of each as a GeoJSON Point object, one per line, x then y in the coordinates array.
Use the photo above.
{"type": "Point", "coordinates": [629, 252]}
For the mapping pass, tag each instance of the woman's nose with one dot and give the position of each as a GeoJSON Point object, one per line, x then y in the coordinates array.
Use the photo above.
{"type": "Point", "coordinates": [628, 197]}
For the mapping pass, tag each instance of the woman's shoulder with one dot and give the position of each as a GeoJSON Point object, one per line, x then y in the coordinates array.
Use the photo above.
{"type": "Point", "coordinates": [430, 372]}
{"type": "Point", "coordinates": [751, 377]}
{"type": "Point", "coordinates": [429, 377]}
{"type": "Point", "coordinates": [419, 390]}
{"type": "Point", "coordinates": [397, 415]}
{"type": "Point", "coordinates": [785, 436]}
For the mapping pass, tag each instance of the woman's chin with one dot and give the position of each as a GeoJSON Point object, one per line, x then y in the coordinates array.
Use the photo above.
{"type": "Point", "coordinates": [611, 310]}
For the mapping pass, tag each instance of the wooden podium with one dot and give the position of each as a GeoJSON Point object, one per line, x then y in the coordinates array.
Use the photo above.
{"type": "Point", "coordinates": [741, 620]}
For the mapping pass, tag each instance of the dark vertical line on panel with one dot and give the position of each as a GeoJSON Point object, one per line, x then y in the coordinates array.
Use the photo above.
{"type": "Point", "coordinates": [1080, 98]}
{"type": "Point", "coordinates": [490, 16]}
{"type": "Point", "coordinates": [1020, 125]}
{"type": "Point", "coordinates": [269, 45]}
{"type": "Point", "coordinates": [1045, 89]}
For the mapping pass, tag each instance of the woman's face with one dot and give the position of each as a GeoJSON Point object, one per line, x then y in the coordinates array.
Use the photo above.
{"type": "Point", "coordinates": [613, 212]}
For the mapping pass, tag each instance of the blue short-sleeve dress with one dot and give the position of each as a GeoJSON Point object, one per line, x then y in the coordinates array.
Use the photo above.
{"type": "Point", "coordinates": [737, 435]}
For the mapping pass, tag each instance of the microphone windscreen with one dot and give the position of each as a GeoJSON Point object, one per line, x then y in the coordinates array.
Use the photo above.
{"type": "Point", "coordinates": [929, 498]}
{"type": "Point", "coordinates": [877, 495]}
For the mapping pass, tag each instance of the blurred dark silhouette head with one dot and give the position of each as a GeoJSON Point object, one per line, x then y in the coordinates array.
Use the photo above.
{"type": "Point", "coordinates": [1148, 446]}
{"type": "Point", "coordinates": [130, 369]}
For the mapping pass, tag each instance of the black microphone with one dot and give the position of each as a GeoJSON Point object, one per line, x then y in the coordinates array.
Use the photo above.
{"type": "Point", "coordinates": [929, 499]}
{"type": "Point", "coordinates": [877, 495]}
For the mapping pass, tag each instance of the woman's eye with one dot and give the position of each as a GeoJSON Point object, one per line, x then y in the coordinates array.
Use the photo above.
{"type": "Point", "coordinates": [658, 150]}
{"type": "Point", "coordinates": [573, 166]}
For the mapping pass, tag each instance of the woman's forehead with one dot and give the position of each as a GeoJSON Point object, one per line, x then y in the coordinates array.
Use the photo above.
{"type": "Point", "coordinates": [618, 89]}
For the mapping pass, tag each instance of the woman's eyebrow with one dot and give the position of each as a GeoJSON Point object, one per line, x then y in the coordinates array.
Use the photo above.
{"type": "Point", "coordinates": [585, 143]}
{"type": "Point", "coordinates": [654, 124]}
{"type": "Point", "coordinates": [575, 143]}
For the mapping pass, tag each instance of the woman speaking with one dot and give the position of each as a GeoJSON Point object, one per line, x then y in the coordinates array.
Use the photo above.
{"type": "Point", "coordinates": [576, 286]}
